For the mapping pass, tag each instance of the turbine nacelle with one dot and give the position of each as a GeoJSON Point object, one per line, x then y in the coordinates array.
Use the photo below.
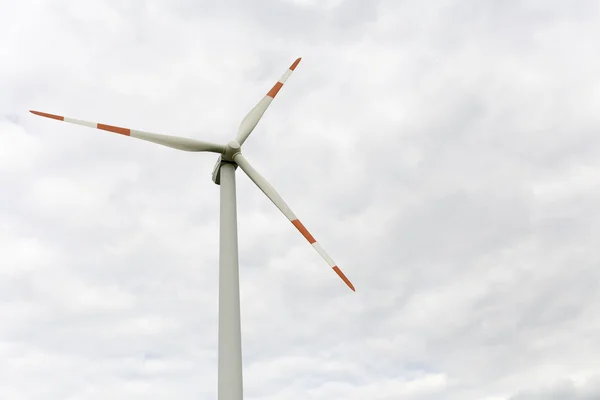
{"type": "Point", "coordinates": [230, 151]}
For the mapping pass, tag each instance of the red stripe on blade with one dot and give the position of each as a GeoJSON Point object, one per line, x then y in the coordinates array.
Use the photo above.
{"type": "Point", "coordinates": [346, 280]}
{"type": "Point", "coordinates": [115, 129]}
{"type": "Point", "coordinates": [295, 64]}
{"type": "Point", "coordinates": [275, 89]}
{"type": "Point", "coordinates": [42, 114]}
{"type": "Point", "coordinates": [303, 231]}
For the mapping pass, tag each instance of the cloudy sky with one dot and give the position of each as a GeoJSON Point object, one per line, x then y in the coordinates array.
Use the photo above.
{"type": "Point", "coordinates": [445, 155]}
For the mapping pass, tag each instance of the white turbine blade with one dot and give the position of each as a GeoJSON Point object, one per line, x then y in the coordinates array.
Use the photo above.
{"type": "Point", "coordinates": [285, 209]}
{"type": "Point", "coordinates": [250, 121]}
{"type": "Point", "coordinates": [175, 142]}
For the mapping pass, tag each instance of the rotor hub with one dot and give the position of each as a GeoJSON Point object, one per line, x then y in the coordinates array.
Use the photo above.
{"type": "Point", "coordinates": [231, 149]}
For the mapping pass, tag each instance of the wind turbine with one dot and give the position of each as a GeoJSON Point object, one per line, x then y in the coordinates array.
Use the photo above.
{"type": "Point", "coordinates": [230, 157]}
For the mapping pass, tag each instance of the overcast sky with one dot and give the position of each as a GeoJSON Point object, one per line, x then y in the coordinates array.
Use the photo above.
{"type": "Point", "coordinates": [446, 154]}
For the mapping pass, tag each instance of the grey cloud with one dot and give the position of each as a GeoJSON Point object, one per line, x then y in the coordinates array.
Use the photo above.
{"type": "Point", "coordinates": [443, 154]}
{"type": "Point", "coordinates": [313, 23]}
{"type": "Point", "coordinates": [567, 390]}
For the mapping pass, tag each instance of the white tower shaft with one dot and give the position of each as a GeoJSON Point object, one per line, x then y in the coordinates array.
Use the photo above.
{"type": "Point", "coordinates": [230, 337]}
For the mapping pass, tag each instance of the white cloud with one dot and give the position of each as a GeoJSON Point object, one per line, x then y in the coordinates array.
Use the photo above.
{"type": "Point", "coordinates": [19, 150]}
{"type": "Point", "coordinates": [444, 154]}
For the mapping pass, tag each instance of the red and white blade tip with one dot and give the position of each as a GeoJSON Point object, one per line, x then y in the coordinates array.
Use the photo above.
{"type": "Point", "coordinates": [346, 280]}
{"type": "Point", "coordinates": [295, 64]}
{"type": "Point", "coordinates": [302, 229]}
{"type": "Point", "coordinates": [104, 127]}
{"type": "Point", "coordinates": [43, 114]}
{"type": "Point", "coordinates": [279, 84]}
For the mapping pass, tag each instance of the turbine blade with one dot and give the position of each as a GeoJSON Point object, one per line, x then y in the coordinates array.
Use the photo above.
{"type": "Point", "coordinates": [285, 209]}
{"type": "Point", "coordinates": [251, 120]}
{"type": "Point", "coordinates": [175, 142]}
